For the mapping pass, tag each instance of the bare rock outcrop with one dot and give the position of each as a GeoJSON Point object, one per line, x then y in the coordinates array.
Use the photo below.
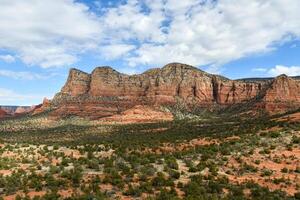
{"type": "Point", "coordinates": [282, 95]}
{"type": "Point", "coordinates": [3, 114]}
{"type": "Point", "coordinates": [37, 109]}
{"type": "Point", "coordinates": [11, 111]}
{"type": "Point", "coordinates": [106, 92]}
{"type": "Point", "coordinates": [78, 83]}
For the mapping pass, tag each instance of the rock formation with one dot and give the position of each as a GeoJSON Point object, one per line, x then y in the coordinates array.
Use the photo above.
{"type": "Point", "coordinates": [22, 110]}
{"type": "Point", "coordinates": [106, 92]}
{"type": "Point", "coordinates": [11, 111]}
{"type": "Point", "coordinates": [283, 94]}
{"type": "Point", "coordinates": [41, 107]}
{"type": "Point", "coordinates": [3, 113]}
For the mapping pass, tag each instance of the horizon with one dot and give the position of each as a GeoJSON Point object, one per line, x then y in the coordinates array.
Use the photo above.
{"type": "Point", "coordinates": [235, 39]}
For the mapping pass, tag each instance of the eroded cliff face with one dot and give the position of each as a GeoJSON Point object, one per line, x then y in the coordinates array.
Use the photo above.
{"type": "Point", "coordinates": [159, 86]}
{"type": "Point", "coordinates": [282, 95]}
{"type": "Point", "coordinates": [232, 92]}
{"type": "Point", "coordinates": [78, 83]}
{"type": "Point", "coordinates": [12, 111]}
{"type": "Point", "coordinates": [106, 92]}
{"type": "Point", "coordinates": [156, 86]}
{"type": "Point", "coordinates": [3, 114]}
{"type": "Point", "coordinates": [43, 107]}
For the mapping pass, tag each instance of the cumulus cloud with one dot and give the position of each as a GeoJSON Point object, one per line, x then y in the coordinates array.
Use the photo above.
{"type": "Point", "coordinates": [47, 33]}
{"type": "Point", "coordinates": [221, 31]}
{"type": "Point", "coordinates": [259, 69]}
{"type": "Point", "coordinates": [204, 32]}
{"type": "Point", "coordinates": [128, 22]}
{"type": "Point", "coordinates": [148, 32]}
{"type": "Point", "coordinates": [280, 69]}
{"type": "Point", "coordinates": [7, 58]}
{"type": "Point", "coordinates": [115, 51]}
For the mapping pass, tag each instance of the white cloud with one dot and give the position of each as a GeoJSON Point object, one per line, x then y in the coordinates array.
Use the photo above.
{"type": "Point", "coordinates": [23, 75]}
{"type": "Point", "coordinates": [115, 51]}
{"type": "Point", "coordinates": [280, 69]}
{"type": "Point", "coordinates": [259, 69]}
{"type": "Point", "coordinates": [7, 58]}
{"type": "Point", "coordinates": [129, 21]}
{"type": "Point", "coordinates": [148, 32]}
{"type": "Point", "coordinates": [10, 97]}
{"type": "Point", "coordinates": [202, 32]}
{"type": "Point", "coordinates": [49, 32]}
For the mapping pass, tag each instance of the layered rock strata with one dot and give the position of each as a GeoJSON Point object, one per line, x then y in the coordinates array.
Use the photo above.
{"type": "Point", "coordinates": [106, 92]}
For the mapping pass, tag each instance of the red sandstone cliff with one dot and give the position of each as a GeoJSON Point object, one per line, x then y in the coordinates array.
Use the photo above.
{"type": "Point", "coordinates": [106, 92]}
{"type": "Point", "coordinates": [11, 111]}
{"type": "Point", "coordinates": [3, 114]}
{"type": "Point", "coordinates": [41, 107]}
{"type": "Point", "coordinates": [283, 94]}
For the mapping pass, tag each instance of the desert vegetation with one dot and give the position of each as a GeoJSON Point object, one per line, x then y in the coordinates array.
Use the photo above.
{"type": "Point", "coordinates": [195, 158]}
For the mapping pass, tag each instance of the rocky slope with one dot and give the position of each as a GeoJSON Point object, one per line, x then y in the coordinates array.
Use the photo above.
{"type": "Point", "coordinates": [139, 114]}
{"type": "Point", "coordinates": [3, 113]}
{"type": "Point", "coordinates": [106, 92]}
{"type": "Point", "coordinates": [11, 111]}
{"type": "Point", "coordinates": [283, 94]}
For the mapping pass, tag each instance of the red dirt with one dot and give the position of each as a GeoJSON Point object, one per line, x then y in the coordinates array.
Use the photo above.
{"type": "Point", "coordinates": [138, 114]}
{"type": "Point", "coordinates": [295, 117]}
{"type": "Point", "coordinates": [266, 162]}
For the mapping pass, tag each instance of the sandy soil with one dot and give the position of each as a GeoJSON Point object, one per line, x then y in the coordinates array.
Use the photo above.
{"type": "Point", "coordinates": [138, 114]}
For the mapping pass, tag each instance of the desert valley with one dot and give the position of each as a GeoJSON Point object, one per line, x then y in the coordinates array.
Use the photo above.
{"type": "Point", "coordinates": [149, 100]}
{"type": "Point", "coordinates": [171, 133]}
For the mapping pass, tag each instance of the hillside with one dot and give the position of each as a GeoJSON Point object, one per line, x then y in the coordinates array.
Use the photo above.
{"type": "Point", "coordinates": [106, 92]}
{"type": "Point", "coordinates": [11, 111]}
{"type": "Point", "coordinates": [150, 142]}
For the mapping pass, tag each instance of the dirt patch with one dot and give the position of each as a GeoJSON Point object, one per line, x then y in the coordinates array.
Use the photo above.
{"type": "Point", "coordinates": [280, 165]}
{"type": "Point", "coordinates": [6, 172]}
{"type": "Point", "coordinates": [295, 117]}
{"type": "Point", "coordinates": [138, 114]}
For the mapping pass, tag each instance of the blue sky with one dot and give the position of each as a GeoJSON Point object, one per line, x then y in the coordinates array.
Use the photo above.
{"type": "Point", "coordinates": [235, 38]}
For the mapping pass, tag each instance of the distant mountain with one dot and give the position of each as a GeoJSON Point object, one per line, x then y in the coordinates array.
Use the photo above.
{"type": "Point", "coordinates": [3, 113]}
{"type": "Point", "coordinates": [106, 92]}
{"type": "Point", "coordinates": [263, 79]}
{"type": "Point", "coordinates": [11, 111]}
